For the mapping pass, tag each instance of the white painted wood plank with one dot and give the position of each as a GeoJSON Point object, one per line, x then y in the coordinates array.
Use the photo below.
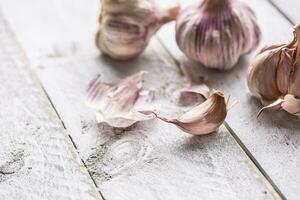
{"type": "Point", "coordinates": [289, 8]}
{"type": "Point", "coordinates": [273, 139]}
{"type": "Point", "coordinates": [37, 158]}
{"type": "Point", "coordinates": [151, 160]}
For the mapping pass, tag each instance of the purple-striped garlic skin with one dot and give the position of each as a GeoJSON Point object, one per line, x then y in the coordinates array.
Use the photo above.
{"type": "Point", "coordinates": [217, 32]}
{"type": "Point", "coordinates": [126, 26]}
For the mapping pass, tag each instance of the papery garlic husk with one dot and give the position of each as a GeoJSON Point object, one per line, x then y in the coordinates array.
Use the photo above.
{"type": "Point", "coordinates": [217, 32]}
{"type": "Point", "coordinates": [203, 119]}
{"type": "Point", "coordinates": [126, 26]}
{"type": "Point", "coordinates": [120, 104]}
{"type": "Point", "coordinates": [274, 76]}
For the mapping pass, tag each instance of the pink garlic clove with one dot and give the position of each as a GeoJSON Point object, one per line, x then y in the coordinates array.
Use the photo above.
{"type": "Point", "coordinates": [203, 119]}
{"type": "Point", "coordinates": [291, 104]}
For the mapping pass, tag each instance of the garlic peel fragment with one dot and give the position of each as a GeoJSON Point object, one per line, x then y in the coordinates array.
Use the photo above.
{"type": "Point", "coordinates": [121, 104]}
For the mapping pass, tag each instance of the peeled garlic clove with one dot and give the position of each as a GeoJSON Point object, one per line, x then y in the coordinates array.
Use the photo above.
{"type": "Point", "coordinates": [204, 118]}
{"type": "Point", "coordinates": [274, 75]}
{"type": "Point", "coordinates": [217, 32]}
{"type": "Point", "coordinates": [127, 26]}
{"type": "Point", "coordinates": [120, 104]}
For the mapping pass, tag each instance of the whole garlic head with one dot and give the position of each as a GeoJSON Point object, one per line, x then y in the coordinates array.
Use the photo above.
{"type": "Point", "coordinates": [274, 76]}
{"type": "Point", "coordinates": [126, 26]}
{"type": "Point", "coordinates": [217, 32]}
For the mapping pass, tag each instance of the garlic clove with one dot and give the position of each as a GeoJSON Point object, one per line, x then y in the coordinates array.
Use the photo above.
{"type": "Point", "coordinates": [262, 71]}
{"type": "Point", "coordinates": [291, 104]}
{"type": "Point", "coordinates": [126, 27]}
{"type": "Point", "coordinates": [204, 118]}
{"type": "Point", "coordinates": [294, 86]}
{"type": "Point", "coordinates": [295, 76]}
{"type": "Point", "coordinates": [116, 104]}
{"type": "Point", "coordinates": [283, 71]}
{"type": "Point", "coordinates": [276, 105]}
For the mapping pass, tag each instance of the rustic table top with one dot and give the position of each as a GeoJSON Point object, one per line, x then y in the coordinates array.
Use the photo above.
{"type": "Point", "coordinates": [52, 148]}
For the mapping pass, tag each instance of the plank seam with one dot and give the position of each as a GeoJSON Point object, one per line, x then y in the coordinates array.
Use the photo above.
{"type": "Point", "coordinates": [254, 161]}
{"type": "Point", "coordinates": [281, 11]}
{"type": "Point", "coordinates": [39, 84]}
{"type": "Point", "coordinates": [243, 148]}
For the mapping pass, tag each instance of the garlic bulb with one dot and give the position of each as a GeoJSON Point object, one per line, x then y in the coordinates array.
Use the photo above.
{"type": "Point", "coordinates": [126, 26]}
{"type": "Point", "coordinates": [217, 32]}
{"type": "Point", "coordinates": [274, 76]}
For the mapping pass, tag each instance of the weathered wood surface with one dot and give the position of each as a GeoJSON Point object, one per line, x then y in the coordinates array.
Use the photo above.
{"type": "Point", "coordinates": [37, 158]}
{"type": "Point", "coordinates": [151, 160]}
{"type": "Point", "coordinates": [273, 139]}
{"type": "Point", "coordinates": [289, 8]}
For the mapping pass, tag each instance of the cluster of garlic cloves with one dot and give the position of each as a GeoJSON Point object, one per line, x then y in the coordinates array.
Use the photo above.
{"type": "Point", "coordinates": [274, 76]}
{"type": "Point", "coordinates": [126, 26]}
{"type": "Point", "coordinates": [217, 32]}
{"type": "Point", "coordinates": [124, 103]}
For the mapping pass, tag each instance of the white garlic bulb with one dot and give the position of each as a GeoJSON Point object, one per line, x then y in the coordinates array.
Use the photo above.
{"type": "Point", "coordinates": [126, 26]}
{"type": "Point", "coordinates": [217, 32]}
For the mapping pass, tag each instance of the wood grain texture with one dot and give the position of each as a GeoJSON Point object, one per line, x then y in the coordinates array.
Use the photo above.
{"type": "Point", "coordinates": [37, 158]}
{"type": "Point", "coordinates": [150, 160]}
{"type": "Point", "coordinates": [273, 139]}
{"type": "Point", "coordinates": [289, 8]}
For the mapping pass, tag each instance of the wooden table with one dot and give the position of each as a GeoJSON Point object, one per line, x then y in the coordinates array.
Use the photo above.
{"type": "Point", "coordinates": [52, 148]}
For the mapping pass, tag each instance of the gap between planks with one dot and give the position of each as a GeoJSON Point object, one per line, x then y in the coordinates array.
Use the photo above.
{"type": "Point", "coordinates": [254, 163]}
{"type": "Point", "coordinates": [37, 80]}
{"type": "Point", "coordinates": [281, 11]}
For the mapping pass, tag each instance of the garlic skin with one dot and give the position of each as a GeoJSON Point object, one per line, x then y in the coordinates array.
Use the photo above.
{"type": "Point", "coordinates": [126, 26]}
{"type": "Point", "coordinates": [217, 32]}
{"type": "Point", "coordinates": [120, 104]}
{"type": "Point", "coordinates": [203, 119]}
{"type": "Point", "coordinates": [274, 76]}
